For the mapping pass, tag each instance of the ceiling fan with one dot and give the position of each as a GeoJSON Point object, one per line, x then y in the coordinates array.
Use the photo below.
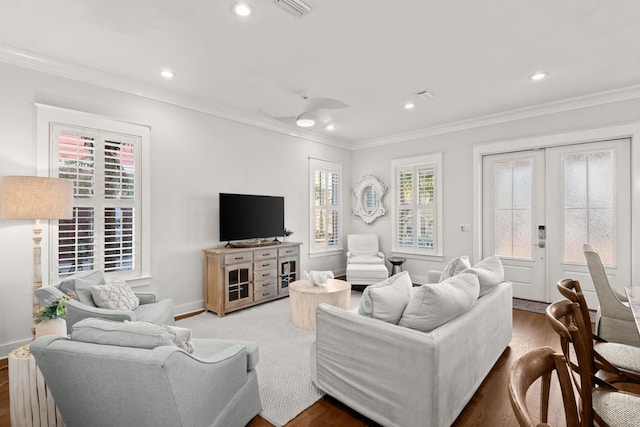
{"type": "Point", "coordinates": [314, 112]}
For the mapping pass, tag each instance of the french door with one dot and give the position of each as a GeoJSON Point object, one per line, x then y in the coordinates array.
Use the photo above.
{"type": "Point", "coordinates": [540, 206]}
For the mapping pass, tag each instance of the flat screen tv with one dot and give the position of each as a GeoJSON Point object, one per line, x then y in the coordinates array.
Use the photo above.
{"type": "Point", "coordinates": [248, 216]}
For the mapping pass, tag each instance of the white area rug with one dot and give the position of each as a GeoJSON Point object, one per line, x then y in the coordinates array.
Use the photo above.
{"type": "Point", "coordinates": [285, 384]}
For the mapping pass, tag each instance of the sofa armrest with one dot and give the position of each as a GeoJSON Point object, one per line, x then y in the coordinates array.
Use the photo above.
{"type": "Point", "coordinates": [381, 255]}
{"type": "Point", "coordinates": [370, 358]}
{"type": "Point", "coordinates": [147, 297]}
{"type": "Point", "coordinates": [433, 276]}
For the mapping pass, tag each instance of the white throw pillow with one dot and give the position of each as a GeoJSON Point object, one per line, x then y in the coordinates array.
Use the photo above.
{"type": "Point", "coordinates": [490, 273]}
{"type": "Point", "coordinates": [115, 295]}
{"type": "Point", "coordinates": [454, 266]}
{"type": "Point", "coordinates": [435, 304]}
{"type": "Point", "coordinates": [387, 300]}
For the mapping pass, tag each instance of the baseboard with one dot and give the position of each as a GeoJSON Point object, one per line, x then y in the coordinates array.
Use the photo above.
{"type": "Point", "coordinates": [185, 315]}
{"type": "Point", "coordinates": [188, 309]}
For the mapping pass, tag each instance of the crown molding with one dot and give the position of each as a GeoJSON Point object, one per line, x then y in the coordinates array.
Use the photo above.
{"type": "Point", "coordinates": [575, 103]}
{"type": "Point", "coordinates": [26, 59]}
{"type": "Point", "coordinates": [49, 65]}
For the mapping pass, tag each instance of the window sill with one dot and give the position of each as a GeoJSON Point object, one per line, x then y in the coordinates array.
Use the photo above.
{"type": "Point", "coordinates": [330, 252]}
{"type": "Point", "coordinates": [413, 255]}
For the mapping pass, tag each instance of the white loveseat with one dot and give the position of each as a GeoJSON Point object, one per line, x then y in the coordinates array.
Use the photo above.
{"type": "Point", "coordinates": [398, 376]}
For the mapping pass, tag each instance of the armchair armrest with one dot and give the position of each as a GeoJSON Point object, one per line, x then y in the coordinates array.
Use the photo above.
{"type": "Point", "coordinates": [147, 297]}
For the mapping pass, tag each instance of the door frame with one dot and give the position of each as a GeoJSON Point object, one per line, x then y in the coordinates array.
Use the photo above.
{"type": "Point", "coordinates": [627, 130]}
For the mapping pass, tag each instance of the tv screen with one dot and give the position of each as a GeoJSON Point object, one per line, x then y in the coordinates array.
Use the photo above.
{"type": "Point", "coordinates": [247, 216]}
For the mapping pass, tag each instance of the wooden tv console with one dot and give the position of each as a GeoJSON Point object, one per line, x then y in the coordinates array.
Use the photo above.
{"type": "Point", "coordinates": [236, 278]}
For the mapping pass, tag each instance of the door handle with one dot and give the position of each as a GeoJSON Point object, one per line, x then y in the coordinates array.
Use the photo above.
{"type": "Point", "coordinates": [542, 244]}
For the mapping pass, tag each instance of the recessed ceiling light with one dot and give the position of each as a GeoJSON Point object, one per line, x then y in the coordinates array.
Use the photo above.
{"type": "Point", "coordinates": [331, 127]}
{"type": "Point", "coordinates": [167, 74]}
{"type": "Point", "coordinates": [305, 123]}
{"type": "Point", "coordinates": [241, 8]}
{"type": "Point", "coordinates": [538, 76]}
{"type": "Point", "coordinates": [409, 106]}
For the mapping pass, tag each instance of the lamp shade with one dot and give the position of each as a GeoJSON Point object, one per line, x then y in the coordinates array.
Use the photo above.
{"type": "Point", "coordinates": [34, 197]}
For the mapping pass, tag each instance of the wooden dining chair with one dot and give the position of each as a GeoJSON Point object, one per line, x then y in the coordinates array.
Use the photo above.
{"type": "Point", "coordinates": [540, 364]}
{"type": "Point", "coordinates": [600, 402]}
{"type": "Point", "coordinates": [620, 361]}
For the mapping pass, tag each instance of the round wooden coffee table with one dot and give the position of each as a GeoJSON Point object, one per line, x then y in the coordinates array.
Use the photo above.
{"type": "Point", "coordinates": [304, 298]}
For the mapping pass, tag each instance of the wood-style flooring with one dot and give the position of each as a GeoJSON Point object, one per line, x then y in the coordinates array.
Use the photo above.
{"type": "Point", "coordinates": [489, 407]}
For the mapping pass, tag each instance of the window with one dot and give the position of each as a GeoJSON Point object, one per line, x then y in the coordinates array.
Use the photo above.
{"type": "Point", "coordinates": [105, 166]}
{"type": "Point", "coordinates": [325, 194]}
{"type": "Point", "coordinates": [417, 206]}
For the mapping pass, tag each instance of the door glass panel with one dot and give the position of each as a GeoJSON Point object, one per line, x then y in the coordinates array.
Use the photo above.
{"type": "Point", "coordinates": [522, 237]}
{"type": "Point", "coordinates": [575, 181]}
{"type": "Point", "coordinates": [575, 234]}
{"type": "Point", "coordinates": [513, 183]}
{"type": "Point", "coordinates": [588, 205]}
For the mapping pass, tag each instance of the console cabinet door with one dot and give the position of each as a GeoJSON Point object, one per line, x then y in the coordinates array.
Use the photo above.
{"type": "Point", "coordinates": [288, 272]}
{"type": "Point", "coordinates": [238, 280]}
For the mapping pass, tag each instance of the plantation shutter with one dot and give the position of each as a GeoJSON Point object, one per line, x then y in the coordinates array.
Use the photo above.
{"type": "Point", "coordinates": [416, 208]}
{"type": "Point", "coordinates": [104, 230]}
{"type": "Point", "coordinates": [326, 181]}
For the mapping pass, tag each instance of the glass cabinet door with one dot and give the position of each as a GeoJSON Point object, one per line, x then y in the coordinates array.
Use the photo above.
{"type": "Point", "coordinates": [288, 274]}
{"type": "Point", "coordinates": [238, 280]}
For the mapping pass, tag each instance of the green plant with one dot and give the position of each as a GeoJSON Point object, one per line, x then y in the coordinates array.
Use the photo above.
{"type": "Point", "coordinates": [287, 232]}
{"type": "Point", "coordinates": [52, 311]}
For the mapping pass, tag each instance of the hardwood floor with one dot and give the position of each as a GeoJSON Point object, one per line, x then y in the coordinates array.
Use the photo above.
{"type": "Point", "coordinates": [489, 407]}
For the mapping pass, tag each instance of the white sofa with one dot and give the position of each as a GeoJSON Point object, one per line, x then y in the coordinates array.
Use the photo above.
{"type": "Point", "coordinates": [398, 376]}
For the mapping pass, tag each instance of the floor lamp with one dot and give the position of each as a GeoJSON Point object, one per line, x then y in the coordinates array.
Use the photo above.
{"type": "Point", "coordinates": [36, 198]}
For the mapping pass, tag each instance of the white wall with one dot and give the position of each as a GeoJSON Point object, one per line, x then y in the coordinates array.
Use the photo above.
{"type": "Point", "coordinates": [457, 149]}
{"type": "Point", "coordinates": [194, 156]}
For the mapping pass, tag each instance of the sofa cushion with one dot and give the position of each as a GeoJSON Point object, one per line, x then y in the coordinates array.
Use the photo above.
{"type": "Point", "coordinates": [490, 273]}
{"type": "Point", "coordinates": [115, 295]}
{"type": "Point", "coordinates": [124, 334]}
{"type": "Point", "coordinates": [79, 285]}
{"type": "Point", "coordinates": [387, 300]}
{"type": "Point", "coordinates": [454, 266]}
{"type": "Point", "coordinates": [433, 305]}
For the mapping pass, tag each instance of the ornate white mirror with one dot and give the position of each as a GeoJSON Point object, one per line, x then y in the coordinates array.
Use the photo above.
{"type": "Point", "coordinates": [368, 192]}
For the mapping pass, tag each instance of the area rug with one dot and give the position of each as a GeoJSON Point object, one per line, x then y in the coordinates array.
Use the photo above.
{"type": "Point", "coordinates": [284, 381]}
{"type": "Point", "coordinates": [539, 307]}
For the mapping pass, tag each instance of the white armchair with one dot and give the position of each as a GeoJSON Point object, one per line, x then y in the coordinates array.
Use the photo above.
{"type": "Point", "coordinates": [365, 262]}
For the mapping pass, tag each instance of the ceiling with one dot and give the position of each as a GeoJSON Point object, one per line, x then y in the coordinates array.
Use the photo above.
{"type": "Point", "coordinates": [475, 57]}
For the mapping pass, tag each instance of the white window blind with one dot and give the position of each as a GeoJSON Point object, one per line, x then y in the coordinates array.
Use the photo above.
{"type": "Point", "coordinates": [104, 231]}
{"type": "Point", "coordinates": [417, 205]}
{"type": "Point", "coordinates": [325, 178]}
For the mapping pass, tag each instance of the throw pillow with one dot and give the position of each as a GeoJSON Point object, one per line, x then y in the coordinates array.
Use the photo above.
{"type": "Point", "coordinates": [79, 285]}
{"type": "Point", "coordinates": [454, 266]}
{"type": "Point", "coordinates": [125, 334]}
{"type": "Point", "coordinates": [387, 300]}
{"type": "Point", "coordinates": [115, 295]}
{"type": "Point", "coordinates": [433, 305]}
{"type": "Point", "coordinates": [490, 273]}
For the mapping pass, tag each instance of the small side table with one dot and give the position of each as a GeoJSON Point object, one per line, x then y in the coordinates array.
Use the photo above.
{"type": "Point", "coordinates": [397, 264]}
{"type": "Point", "coordinates": [31, 403]}
{"type": "Point", "coordinates": [304, 298]}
